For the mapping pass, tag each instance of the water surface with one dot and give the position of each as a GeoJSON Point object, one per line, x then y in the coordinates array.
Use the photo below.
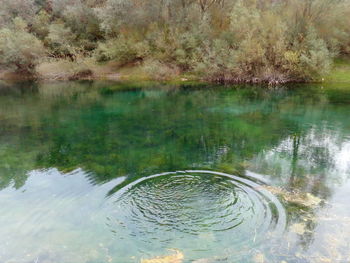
{"type": "Point", "coordinates": [96, 172]}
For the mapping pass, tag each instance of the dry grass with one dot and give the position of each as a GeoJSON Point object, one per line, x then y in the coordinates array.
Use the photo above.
{"type": "Point", "coordinates": [14, 76]}
{"type": "Point", "coordinates": [64, 69]}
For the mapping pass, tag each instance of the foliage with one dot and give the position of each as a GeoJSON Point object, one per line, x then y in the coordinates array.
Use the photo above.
{"type": "Point", "coordinates": [236, 40]}
{"type": "Point", "coordinates": [61, 39]}
{"type": "Point", "coordinates": [19, 49]}
{"type": "Point", "coordinates": [120, 49]}
{"type": "Point", "coordinates": [158, 70]}
{"type": "Point", "coordinates": [41, 24]}
{"type": "Point", "coordinates": [84, 23]}
{"type": "Point", "coordinates": [10, 9]}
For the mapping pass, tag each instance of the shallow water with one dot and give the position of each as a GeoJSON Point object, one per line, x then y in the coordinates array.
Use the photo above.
{"type": "Point", "coordinates": [96, 172]}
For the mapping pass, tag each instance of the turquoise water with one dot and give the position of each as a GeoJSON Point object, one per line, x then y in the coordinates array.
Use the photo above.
{"type": "Point", "coordinates": [95, 172]}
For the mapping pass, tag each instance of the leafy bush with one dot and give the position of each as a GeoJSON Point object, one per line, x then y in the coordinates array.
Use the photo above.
{"type": "Point", "coordinates": [84, 23]}
{"type": "Point", "coordinates": [310, 59]}
{"type": "Point", "coordinates": [61, 39]}
{"type": "Point", "coordinates": [121, 49]}
{"type": "Point", "coordinates": [238, 40]}
{"type": "Point", "coordinates": [20, 50]}
{"type": "Point", "coordinates": [158, 70]}
{"type": "Point", "coordinates": [41, 23]}
{"type": "Point", "coordinates": [11, 9]}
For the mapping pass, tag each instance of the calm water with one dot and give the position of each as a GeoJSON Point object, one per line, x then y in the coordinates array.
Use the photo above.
{"type": "Point", "coordinates": [104, 172]}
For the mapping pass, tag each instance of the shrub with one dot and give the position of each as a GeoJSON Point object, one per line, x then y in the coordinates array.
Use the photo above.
{"type": "Point", "coordinates": [84, 23]}
{"type": "Point", "coordinates": [61, 40]}
{"type": "Point", "coordinates": [41, 24]}
{"type": "Point", "coordinates": [315, 58]}
{"type": "Point", "coordinates": [214, 60]}
{"type": "Point", "coordinates": [238, 40]}
{"type": "Point", "coordinates": [10, 9]}
{"type": "Point", "coordinates": [122, 49]}
{"type": "Point", "coordinates": [20, 50]}
{"type": "Point", "coordinates": [158, 70]}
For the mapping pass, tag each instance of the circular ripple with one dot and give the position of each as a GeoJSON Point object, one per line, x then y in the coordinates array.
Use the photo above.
{"type": "Point", "coordinates": [183, 207]}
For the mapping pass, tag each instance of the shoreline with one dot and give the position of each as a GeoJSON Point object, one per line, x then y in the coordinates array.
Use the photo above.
{"type": "Point", "coordinates": [117, 76]}
{"type": "Point", "coordinates": [340, 73]}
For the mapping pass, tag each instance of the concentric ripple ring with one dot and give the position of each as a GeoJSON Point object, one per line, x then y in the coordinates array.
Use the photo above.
{"type": "Point", "coordinates": [182, 207]}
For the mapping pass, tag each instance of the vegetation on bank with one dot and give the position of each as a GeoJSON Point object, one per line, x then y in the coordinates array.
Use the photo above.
{"type": "Point", "coordinates": [340, 71]}
{"type": "Point", "coordinates": [218, 40]}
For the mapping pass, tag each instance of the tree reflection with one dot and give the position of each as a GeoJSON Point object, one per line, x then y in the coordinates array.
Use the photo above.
{"type": "Point", "coordinates": [298, 139]}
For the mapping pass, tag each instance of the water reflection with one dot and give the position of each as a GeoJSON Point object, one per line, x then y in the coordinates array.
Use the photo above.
{"type": "Point", "coordinates": [68, 149]}
{"type": "Point", "coordinates": [315, 161]}
{"type": "Point", "coordinates": [233, 214]}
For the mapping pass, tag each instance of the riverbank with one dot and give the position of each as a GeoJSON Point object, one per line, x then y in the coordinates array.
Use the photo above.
{"type": "Point", "coordinates": [87, 69]}
{"type": "Point", "coordinates": [340, 71]}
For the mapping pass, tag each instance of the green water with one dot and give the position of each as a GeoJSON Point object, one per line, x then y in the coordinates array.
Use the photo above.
{"type": "Point", "coordinates": [94, 172]}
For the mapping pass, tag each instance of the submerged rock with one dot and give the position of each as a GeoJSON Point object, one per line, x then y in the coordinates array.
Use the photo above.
{"type": "Point", "coordinates": [210, 260]}
{"type": "Point", "coordinates": [204, 260]}
{"type": "Point", "coordinates": [299, 229]}
{"type": "Point", "coordinates": [177, 257]}
{"type": "Point", "coordinates": [259, 258]}
{"type": "Point", "coordinates": [296, 197]}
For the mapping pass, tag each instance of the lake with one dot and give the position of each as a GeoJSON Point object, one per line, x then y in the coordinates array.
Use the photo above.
{"type": "Point", "coordinates": [95, 172]}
